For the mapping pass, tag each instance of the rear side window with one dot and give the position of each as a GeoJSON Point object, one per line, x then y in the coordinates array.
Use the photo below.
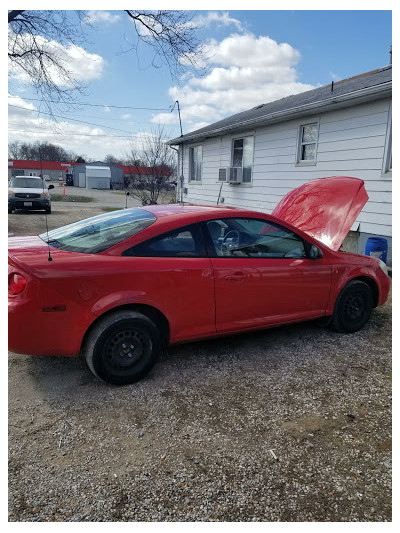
{"type": "Point", "coordinates": [183, 242]}
{"type": "Point", "coordinates": [96, 234]}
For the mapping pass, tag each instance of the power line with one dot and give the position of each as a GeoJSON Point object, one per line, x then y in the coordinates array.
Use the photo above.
{"type": "Point", "coordinates": [125, 121]}
{"type": "Point", "coordinates": [82, 134]}
{"type": "Point", "coordinates": [83, 121]}
{"type": "Point", "coordinates": [68, 118]}
{"type": "Point", "coordinates": [95, 105]}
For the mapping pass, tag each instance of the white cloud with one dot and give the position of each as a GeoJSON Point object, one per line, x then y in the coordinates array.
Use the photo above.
{"type": "Point", "coordinates": [242, 71]}
{"type": "Point", "coordinates": [103, 17]}
{"type": "Point", "coordinates": [251, 51]}
{"type": "Point", "coordinates": [95, 142]}
{"type": "Point", "coordinates": [80, 64]}
{"type": "Point", "coordinates": [335, 77]}
{"type": "Point", "coordinates": [165, 118]}
{"type": "Point", "coordinates": [19, 102]}
{"type": "Point", "coordinates": [221, 19]}
{"type": "Point", "coordinates": [126, 116]}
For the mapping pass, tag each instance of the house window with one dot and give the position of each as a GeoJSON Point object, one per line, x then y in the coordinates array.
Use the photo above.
{"type": "Point", "coordinates": [308, 143]}
{"type": "Point", "coordinates": [242, 156]}
{"type": "Point", "coordinates": [389, 156]}
{"type": "Point", "coordinates": [195, 162]}
{"type": "Point", "coordinates": [32, 173]}
{"type": "Point", "coordinates": [388, 150]}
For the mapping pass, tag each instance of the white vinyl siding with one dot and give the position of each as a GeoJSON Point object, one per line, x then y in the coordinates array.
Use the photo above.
{"type": "Point", "coordinates": [351, 142]}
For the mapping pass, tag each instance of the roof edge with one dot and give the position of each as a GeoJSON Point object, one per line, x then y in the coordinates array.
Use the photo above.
{"type": "Point", "coordinates": [292, 112]}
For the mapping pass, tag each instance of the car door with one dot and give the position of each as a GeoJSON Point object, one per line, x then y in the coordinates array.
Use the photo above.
{"type": "Point", "coordinates": [263, 274]}
{"type": "Point", "coordinates": [173, 272]}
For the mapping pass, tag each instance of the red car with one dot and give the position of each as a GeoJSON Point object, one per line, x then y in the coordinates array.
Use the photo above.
{"type": "Point", "coordinates": [120, 286]}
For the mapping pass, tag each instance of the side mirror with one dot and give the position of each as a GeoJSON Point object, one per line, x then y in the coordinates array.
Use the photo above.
{"type": "Point", "coordinates": [50, 187]}
{"type": "Point", "coordinates": [315, 252]}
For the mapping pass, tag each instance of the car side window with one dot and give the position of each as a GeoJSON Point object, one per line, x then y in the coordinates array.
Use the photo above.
{"type": "Point", "coordinates": [183, 242]}
{"type": "Point", "coordinates": [250, 237]}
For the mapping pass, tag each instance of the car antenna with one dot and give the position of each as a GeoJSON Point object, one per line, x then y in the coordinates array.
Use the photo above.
{"type": "Point", "coordinates": [45, 212]}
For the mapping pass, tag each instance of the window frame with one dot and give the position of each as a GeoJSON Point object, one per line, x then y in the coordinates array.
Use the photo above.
{"type": "Point", "coordinates": [193, 147]}
{"type": "Point", "coordinates": [387, 156]}
{"type": "Point", "coordinates": [212, 252]}
{"type": "Point", "coordinates": [250, 135]}
{"type": "Point", "coordinates": [194, 228]}
{"type": "Point", "coordinates": [300, 144]}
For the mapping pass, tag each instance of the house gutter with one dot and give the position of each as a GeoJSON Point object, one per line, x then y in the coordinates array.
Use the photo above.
{"type": "Point", "coordinates": [333, 102]}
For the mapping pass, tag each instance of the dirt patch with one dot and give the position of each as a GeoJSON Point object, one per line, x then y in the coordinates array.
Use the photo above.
{"type": "Point", "coordinates": [290, 424]}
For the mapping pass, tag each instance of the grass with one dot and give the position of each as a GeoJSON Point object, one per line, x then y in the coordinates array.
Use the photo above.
{"type": "Point", "coordinates": [66, 198]}
{"type": "Point", "coordinates": [110, 209]}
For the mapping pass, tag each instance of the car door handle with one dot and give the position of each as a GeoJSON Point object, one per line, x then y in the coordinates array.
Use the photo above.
{"type": "Point", "coordinates": [239, 276]}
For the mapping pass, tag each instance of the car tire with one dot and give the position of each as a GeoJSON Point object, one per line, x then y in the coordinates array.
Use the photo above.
{"type": "Point", "coordinates": [123, 347]}
{"type": "Point", "coordinates": [48, 210]}
{"type": "Point", "coordinates": [353, 307]}
{"type": "Point", "coordinates": [10, 210]}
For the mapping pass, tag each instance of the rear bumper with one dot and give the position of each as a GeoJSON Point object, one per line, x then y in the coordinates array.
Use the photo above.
{"type": "Point", "coordinates": [32, 331]}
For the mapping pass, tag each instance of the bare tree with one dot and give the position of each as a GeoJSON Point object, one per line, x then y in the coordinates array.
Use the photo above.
{"type": "Point", "coordinates": [112, 160]}
{"type": "Point", "coordinates": [32, 54]}
{"type": "Point", "coordinates": [157, 172]}
{"type": "Point", "coordinates": [172, 36]}
{"type": "Point", "coordinates": [14, 150]}
{"type": "Point", "coordinates": [33, 37]}
{"type": "Point", "coordinates": [39, 151]}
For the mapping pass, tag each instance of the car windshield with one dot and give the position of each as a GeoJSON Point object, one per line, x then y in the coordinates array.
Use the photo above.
{"type": "Point", "coordinates": [96, 234]}
{"type": "Point", "coordinates": [27, 183]}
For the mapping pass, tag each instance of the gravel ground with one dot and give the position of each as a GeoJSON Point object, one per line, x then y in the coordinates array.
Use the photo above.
{"type": "Point", "coordinates": [288, 424]}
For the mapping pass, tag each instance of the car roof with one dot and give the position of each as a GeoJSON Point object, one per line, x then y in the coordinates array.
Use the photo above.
{"type": "Point", "coordinates": [180, 210]}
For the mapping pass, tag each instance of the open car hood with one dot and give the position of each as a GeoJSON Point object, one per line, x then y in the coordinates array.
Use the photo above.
{"type": "Point", "coordinates": [324, 208]}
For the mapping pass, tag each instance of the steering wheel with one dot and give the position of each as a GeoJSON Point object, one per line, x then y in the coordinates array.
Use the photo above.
{"type": "Point", "coordinates": [234, 237]}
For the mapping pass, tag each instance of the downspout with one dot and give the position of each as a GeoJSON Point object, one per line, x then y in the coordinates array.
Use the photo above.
{"type": "Point", "coordinates": [181, 177]}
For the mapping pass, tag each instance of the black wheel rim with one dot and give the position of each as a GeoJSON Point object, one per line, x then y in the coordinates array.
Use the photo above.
{"type": "Point", "coordinates": [354, 307]}
{"type": "Point", "coordinates": [125, 349]}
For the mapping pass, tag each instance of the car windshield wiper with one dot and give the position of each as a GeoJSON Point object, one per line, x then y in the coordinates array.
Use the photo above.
{"type": "Point", "coordinates": [54, 242]}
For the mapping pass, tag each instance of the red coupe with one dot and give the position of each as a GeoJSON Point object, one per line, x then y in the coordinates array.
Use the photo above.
{"type": "Point", "coordinates": [118, 287]}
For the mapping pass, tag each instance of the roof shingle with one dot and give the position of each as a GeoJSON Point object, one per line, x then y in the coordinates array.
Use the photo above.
{"type": "Point", "coordinates": [349, 85]}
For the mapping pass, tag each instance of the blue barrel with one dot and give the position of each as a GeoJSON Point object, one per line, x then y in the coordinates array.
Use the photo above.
{"type": "Point", "coordinates": [377, 247]}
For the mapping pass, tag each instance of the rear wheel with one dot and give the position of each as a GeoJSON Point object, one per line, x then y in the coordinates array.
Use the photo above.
{"type": "Point", "coordinates": [10, 210]}
{"type": "Point", "coordinates": [353, 307]}
{"type": "Point", "coordinates": [123, 347]}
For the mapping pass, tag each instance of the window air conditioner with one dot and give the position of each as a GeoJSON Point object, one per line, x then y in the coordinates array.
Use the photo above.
{"type": "Point", "coordinates": [235, 175]}
{"type": "Point", "coordinates": [223, 174]}
{"type": "Point", "coordinates": [230, 175]}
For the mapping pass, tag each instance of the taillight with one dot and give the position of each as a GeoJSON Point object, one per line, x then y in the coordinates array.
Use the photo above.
{"type": "Point", "coordinates": [16, 283]}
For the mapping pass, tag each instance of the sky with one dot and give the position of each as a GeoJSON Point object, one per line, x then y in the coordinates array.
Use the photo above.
{"type": "Point", "coordinates": [253, 57]}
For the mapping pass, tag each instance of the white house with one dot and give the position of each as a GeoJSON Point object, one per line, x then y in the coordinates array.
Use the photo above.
{"type": "Point", "coordinates": [252, 159]}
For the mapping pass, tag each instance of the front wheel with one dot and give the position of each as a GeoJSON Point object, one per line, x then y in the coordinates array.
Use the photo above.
{"type": "Point", "coordinates": [353, 307]}
{"type": "Point", "coordinates": [48, 210]}
{"type": "Point", "coordinates": [123, 347]}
